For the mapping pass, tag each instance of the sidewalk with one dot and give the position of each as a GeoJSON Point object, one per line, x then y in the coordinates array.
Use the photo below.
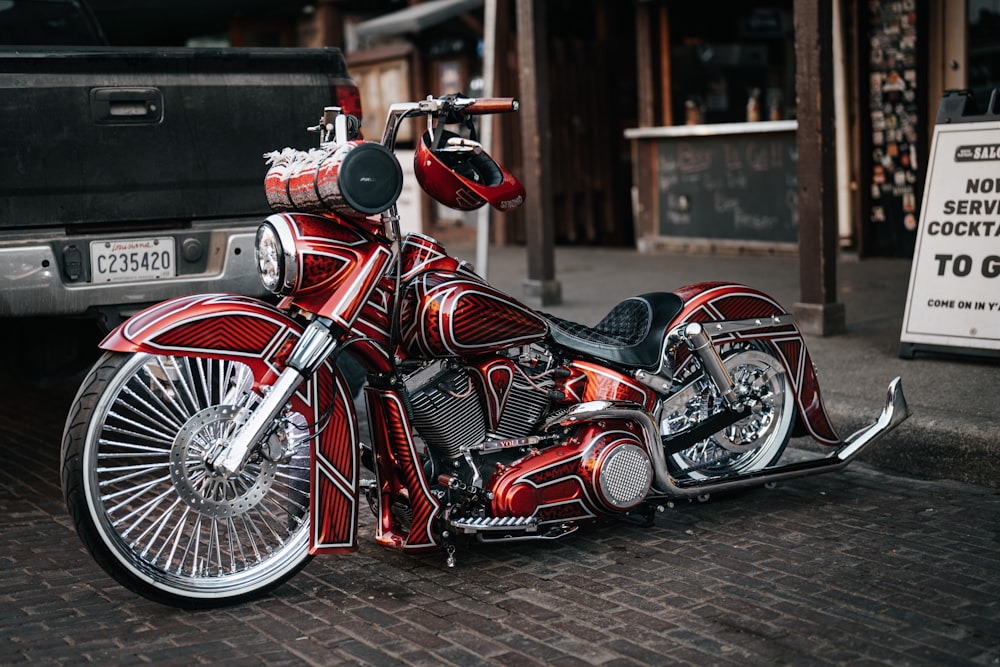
{"type": "Point", "coordinates": [952, 432]}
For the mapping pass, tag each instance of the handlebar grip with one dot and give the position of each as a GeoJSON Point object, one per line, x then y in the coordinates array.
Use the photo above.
{"type": "Point", "coordinates": [485, 105]}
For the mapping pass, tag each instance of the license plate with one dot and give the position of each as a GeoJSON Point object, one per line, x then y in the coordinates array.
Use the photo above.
{"type": "Point", "coordinates": [132, 259]}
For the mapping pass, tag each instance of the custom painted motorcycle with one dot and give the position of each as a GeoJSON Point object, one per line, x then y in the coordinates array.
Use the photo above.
{"type": "Point", "coordinates": [214, 448]}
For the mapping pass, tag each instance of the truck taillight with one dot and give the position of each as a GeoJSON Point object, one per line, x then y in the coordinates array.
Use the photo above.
{"type": "Point", "coordinates": [348, 98]}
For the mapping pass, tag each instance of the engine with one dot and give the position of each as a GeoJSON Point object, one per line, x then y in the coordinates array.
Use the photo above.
{"type": "Point", "coordinates": [450, 411]}
{"type": "Point", "coordinates": [472, 418]}
{"type": "Point", "coordinates": [447, 413]}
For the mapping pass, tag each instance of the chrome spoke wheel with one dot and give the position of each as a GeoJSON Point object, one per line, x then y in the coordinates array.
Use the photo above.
{"type": "Point", "coordinates": [170, 522]}
{"type": "Point", "coordinates": [755, 441]}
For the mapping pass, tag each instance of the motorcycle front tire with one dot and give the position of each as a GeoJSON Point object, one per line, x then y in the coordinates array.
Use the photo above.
{"type": "Point", "coordinates": [148, 506]}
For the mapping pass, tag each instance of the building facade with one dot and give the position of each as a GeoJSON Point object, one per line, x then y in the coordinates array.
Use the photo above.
{"type": "Point", "coordinates": [669, 122]}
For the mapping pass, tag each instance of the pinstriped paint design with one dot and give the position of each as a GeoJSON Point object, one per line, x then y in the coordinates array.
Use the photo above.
{"type": "Point", "coordinates": [210, 325]}
{"type": "Point", "coordinates": [323, 230]}
{"type": "Point", "coordinates": [400, 476]}
{"type": "Point", "coordinates": [448, 314]}
{"type": "Point", "coordinates": [494, 378]}
{"type": "Point", "coordinates": [809, 399]}
{"type": "Point", "coordinates": [343, 299]}
{"type": "Point", "coordinates": [322, 271]}
{"type": "Point", "coordinates": [420, 253]}
{"type": "Point", "coordinates": [335, 470]}
{"type": "Point", "coordinates": [234, 332]}
{"type": "Point", "coordinates": [591, 382]}
{"type": "Point", "coordinates": [711, 302]}
{"type": "Point", "coordinates": [346, 303]}
{"type": "Point", "coordinates": [374, 319]}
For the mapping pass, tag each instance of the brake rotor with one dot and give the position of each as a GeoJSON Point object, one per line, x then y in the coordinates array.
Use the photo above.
{"type": "Point", "coordinates": [205, 490]}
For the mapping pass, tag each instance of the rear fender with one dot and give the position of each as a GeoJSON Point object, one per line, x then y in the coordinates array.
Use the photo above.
{"type": "Point", "coordinates": [238, 328]}
{"type": "Point", "coordinates": [714, 302]}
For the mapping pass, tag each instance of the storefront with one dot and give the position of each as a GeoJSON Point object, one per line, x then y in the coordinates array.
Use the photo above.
{"type": "Point", "coordinates": [716, 163]}
{"type": "Point", "coordinates": [717, 87]}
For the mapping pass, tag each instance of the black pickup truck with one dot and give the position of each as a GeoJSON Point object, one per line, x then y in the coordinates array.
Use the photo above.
{"type": "Point", "coordinates": [130, 175]}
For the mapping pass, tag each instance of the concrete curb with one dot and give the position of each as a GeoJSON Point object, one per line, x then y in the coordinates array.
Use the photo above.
{"type": "Point", "coordinates": [931, 444]}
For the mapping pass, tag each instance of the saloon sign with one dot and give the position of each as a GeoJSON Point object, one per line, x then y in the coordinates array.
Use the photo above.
{"type": "Point", "coordinates": [954, 297]}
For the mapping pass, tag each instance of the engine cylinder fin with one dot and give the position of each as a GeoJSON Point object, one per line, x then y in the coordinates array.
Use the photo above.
{"type": "Point", "coordinates": [524, 407]}
{"type": "Point", "coordinates": [447, 413]}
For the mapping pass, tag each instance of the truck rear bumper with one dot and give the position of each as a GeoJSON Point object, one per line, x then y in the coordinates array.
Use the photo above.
{"type": "Point", "coordinates": [34, 280]}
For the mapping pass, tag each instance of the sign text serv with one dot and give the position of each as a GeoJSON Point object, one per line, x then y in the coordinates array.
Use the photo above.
{"type": "Point", "coordinates": [954, 295]}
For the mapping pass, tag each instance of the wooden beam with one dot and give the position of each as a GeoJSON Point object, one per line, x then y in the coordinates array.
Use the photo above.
{"type": "Point", "coordinates": [818, 312]}
{"type": "Point", "coordinates": [666, 101]}
{"type": "Point", "coordinates": [644, 65]}
{"type": "Point", "coordinates": [541, 287]}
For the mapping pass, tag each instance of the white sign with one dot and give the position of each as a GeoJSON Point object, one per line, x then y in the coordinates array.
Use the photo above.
{"type": "Point", "coordinates": [954, 296]}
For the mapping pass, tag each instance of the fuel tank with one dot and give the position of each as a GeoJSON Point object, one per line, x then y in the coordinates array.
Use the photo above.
{"type": "Point", "coordinates": [454, 313]}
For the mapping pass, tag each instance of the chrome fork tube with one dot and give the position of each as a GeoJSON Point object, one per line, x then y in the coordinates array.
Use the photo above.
{"type": "Point", "coordinates": [315, 345]}
{"type": "Point", "coordinates": [701, 344]}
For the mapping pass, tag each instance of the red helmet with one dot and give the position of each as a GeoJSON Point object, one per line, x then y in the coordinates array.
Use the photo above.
{"type": "Point", "coordinates": [461, 175]}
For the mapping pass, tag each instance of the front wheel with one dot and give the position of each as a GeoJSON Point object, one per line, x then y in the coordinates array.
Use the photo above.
{"type": "Point", "coordinates": [750, 444]}
{"type": "Point", "coordinates": [149, 507]}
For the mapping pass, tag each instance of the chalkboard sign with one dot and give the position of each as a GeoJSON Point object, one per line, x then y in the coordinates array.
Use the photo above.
{"type": "Point", "coordinates": [739, 186]}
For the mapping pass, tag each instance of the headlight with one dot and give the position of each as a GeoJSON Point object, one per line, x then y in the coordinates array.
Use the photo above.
{"type": "Point", "coordinates": [275, 263]}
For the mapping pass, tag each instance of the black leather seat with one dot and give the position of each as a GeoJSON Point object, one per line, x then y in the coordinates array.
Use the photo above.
{"type": "Point", "coordinates": [631, 334]}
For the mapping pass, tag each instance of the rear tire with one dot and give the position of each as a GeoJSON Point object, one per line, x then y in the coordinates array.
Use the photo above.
{"type": "Point", "coordinates": [148, 508]}
{"type": "Point", "coordinates": [754, 442]}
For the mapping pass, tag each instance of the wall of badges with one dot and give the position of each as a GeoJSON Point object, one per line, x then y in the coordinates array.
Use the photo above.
{"type": "Point", "coordinates": [897, 126]}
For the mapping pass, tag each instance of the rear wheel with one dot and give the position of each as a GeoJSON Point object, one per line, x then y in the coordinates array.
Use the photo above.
{"type": "Point", "coordinates": [150, 508]}
{"type": "Point", "coordinates": [752, 443]}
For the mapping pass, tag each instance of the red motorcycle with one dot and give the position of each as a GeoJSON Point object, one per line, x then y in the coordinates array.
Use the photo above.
{"type": "Point", "coordinates": [213, 449]}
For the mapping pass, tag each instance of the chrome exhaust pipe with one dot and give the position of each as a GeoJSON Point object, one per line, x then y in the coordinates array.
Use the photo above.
{"type": "Point", "coordinates": [893, 414]}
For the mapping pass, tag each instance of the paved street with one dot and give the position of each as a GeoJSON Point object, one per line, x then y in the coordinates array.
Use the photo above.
{"type": "Point", "coordinates": [857, 567]}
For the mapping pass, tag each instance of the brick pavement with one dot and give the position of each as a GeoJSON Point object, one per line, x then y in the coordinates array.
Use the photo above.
{"type": "Point", "coordinates": [857, 567]}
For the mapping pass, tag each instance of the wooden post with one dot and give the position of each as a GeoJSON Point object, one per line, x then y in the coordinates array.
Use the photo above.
{"type": "Point", "coordinates": [667, 102]}
{"type": "Point", "coordinates": [644, 65]}
{"type": "Point", "coordinates": [329, 19]}
{"type": "Point", "coordinates": [541, 288]}
{"type": "Point", "coordinates": [818, 312]}
{"type": "Point", "coordinates": [644, 165]}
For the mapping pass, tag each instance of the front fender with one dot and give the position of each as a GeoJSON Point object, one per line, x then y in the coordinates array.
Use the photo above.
{"type": "Point", "coordinates": [207, 325]}
{"type": "Point", "coordinates": [238, 328]}
{"type": "Point", "coordinates": [713, 302]}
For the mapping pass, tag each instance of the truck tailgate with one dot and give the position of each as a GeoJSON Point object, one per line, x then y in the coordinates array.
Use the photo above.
{"type": "Point", "coordinates": [132, 135]}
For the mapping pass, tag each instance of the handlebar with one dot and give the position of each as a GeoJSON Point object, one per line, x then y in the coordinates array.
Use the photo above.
{"type": "Point", "coordinates": [450, 107]}
{"type": "Point", "coordinates": [486, 105]}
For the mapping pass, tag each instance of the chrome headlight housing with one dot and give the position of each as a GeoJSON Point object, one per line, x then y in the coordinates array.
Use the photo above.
{"type": "Point", "coordinates": [276, 257]}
